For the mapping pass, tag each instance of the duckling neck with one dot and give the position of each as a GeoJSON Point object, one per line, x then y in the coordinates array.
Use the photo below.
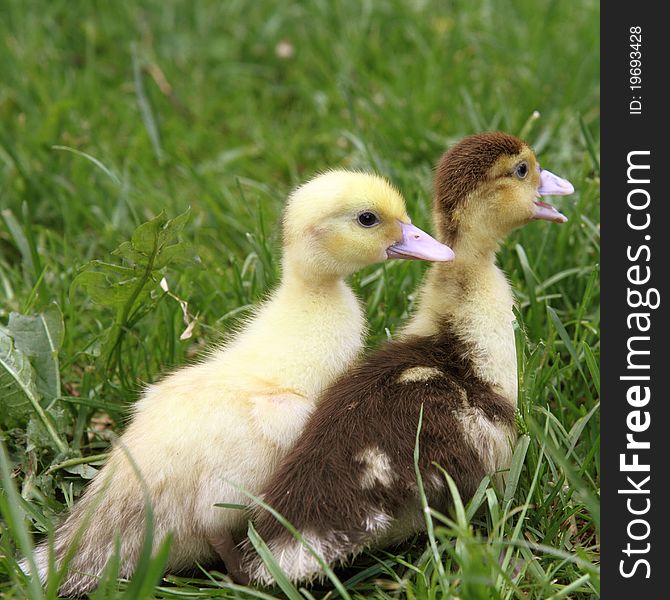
{"type": "Point", "coordinates": [316, 281]}
{"type": "Point", "coordinates": [304, 335]}
{"type": "Point", "coordinates": [471, 298]}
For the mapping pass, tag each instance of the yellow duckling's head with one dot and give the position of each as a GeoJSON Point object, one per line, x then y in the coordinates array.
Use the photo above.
{"type": "Point", "coordinates": [487, 185]}
{"type": "Point", "coordinates": [342, 221]}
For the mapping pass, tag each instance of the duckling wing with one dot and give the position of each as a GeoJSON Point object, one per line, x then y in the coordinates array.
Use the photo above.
{"type": "Point", "coordinates": [280, 417]}
{"type": "Point", "coordinates": [349, 482]}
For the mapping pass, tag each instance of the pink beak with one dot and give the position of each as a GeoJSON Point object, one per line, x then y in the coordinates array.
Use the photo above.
{"type": "Point", "coordinates": [417, 244]}
{"type": "Point", "coordinates": [551, 185]}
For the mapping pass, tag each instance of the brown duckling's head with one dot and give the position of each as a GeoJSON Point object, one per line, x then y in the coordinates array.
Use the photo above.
{"type": "Point", "coordinates": [487, 185]}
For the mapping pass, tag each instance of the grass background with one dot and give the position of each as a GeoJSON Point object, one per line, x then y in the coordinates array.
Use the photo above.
{"type": "Point", "coordinates": [112, 112]}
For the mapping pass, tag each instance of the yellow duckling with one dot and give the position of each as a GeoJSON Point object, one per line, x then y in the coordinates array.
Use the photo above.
{"type": "Point", "coordinates": [231, 418]}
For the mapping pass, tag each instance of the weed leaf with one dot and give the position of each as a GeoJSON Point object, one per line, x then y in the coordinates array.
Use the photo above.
{"type": "Point", "coordinates": [40, 338]}
{"type": "Point", "coordinates": [17, 382]}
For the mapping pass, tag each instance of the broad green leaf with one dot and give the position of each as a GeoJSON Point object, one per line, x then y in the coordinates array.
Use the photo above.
{"type": "Point", "coordinates": [174, 253]}
{"type": "Point", "coordinates": [37, 486]}
{"type": "Point", "coordinates": [40, 338]}
{"type": "Point", "coordinates": [103, 290]}
{"type": "Point", "coordinates": [18, 390]}
{"type": "Point", "coordinates": [128, 251]}
{"type": "Point", "coordinates": [38, 435]}
{"type": "Point", "coordinates": [125, 288]}
{"type": "Point", "coordinates": [17, 382]}
{"type": "Point", "coordinates": [94, 283]}
{"type": "Point", "coordinates": [145, 237]}
{"type": "Point", "coordinates": [112, 269]}
{"type": "Point", "coordinates": [153, 239]}
{"type": "Point", "coordinates": [84, 471]}
{"type": "Point", "coordinates": [175, 226]}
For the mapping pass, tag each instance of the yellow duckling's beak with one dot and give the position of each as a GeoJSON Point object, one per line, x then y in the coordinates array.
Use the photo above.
{"type": "Point", "coordinates": [417, 244]}
{"type": "Point", "coordinates": [551, 185]}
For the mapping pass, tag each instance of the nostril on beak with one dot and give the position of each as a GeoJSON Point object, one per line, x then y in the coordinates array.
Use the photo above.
{"type": "Point", "coordinates": [418, 244]}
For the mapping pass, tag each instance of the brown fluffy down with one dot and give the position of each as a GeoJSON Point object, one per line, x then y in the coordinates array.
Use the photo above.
{"type": "Point", "coordinates": [462, 168]}
{"type": "Point", "coordinates": [319, 485]}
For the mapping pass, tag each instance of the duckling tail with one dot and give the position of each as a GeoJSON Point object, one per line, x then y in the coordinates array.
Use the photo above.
{"type": "Point", "coordinates": [110, 507]}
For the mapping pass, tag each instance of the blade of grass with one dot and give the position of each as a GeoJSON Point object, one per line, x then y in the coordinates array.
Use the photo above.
{"type": "Point", "coordinates": [145, 107]}
{"type": "Point", "coordinates": [426, 509]}
{"type": "Point", "coordinates": [13, 515]}
{"type": "Point", "coordinates": [106, 170]}
{"type": "Point", "coordinates": [275, 570]}
{"type": "Point", "coordinates": [592, 365]}
{"type": "Point", "coordinates": [477, 499]}
{"type": "Point", "coordinates": [148, 569]}
{"type": "Point", "coordinates": [576, 481]}
{"type": "Point", "coordinates": [563, 334]}
{"type": "Point", "coordinates": [297, 535]}
{"type": "Point", "coordinates": [20, 239]}
{"type": "Point", "coordinates": [518, 458]}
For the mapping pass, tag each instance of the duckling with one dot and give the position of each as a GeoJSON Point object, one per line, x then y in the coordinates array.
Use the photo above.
{"type": "Point", "coordinates": [228, 420]}
{"type": "Point", "coordinates": [349, 482]}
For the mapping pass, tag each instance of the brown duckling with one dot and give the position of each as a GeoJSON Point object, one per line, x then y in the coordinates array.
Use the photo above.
{"type": "Point", "coordinates": [349, 482]}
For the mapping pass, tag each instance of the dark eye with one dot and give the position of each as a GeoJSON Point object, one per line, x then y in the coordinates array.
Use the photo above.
{"type": "Point", "coordinates": [368, 219]}
{"type": "Point", "coordinates": [521, 170]}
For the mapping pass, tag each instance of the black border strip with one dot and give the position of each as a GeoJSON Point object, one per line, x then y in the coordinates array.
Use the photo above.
{"type": "Point", "coordinates": [634, 121]}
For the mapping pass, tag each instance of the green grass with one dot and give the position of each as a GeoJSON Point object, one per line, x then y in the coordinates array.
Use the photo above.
{"type": "Point", "coordinates": [111, 112]}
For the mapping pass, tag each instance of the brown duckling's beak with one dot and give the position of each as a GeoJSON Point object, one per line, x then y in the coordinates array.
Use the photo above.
{"type": "Point", "coordinates": [417, 244]}
{"type": "Point", "coordinates": [551, 185]}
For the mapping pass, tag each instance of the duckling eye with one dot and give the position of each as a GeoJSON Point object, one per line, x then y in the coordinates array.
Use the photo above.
{"type": "Point", "coordinates": [521, 170]}
{"type": "Point", "coordinates": [368, 219]}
